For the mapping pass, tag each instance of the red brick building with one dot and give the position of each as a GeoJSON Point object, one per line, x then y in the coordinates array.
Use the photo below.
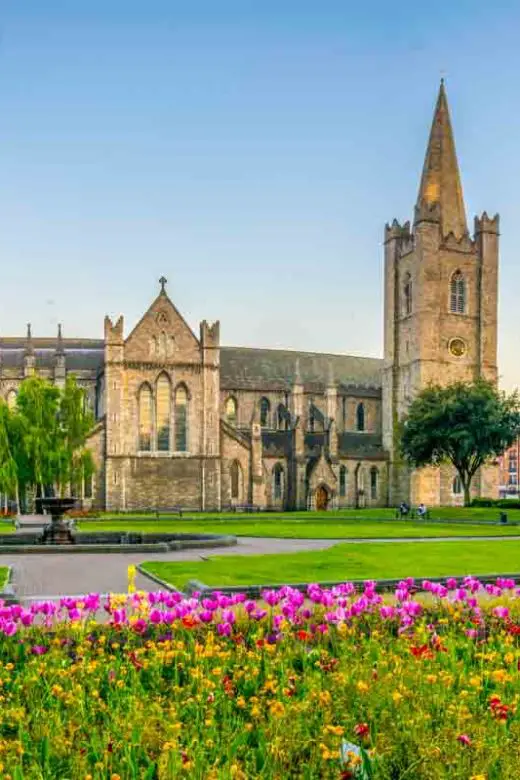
{"type": "Point", "coordinates": [508, 471]}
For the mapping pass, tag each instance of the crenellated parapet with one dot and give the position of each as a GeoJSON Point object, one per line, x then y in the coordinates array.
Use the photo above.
{"type": "Point", "coordinates": [396, 231]}
{"type": "Point", "coordinates": [485, 224]}
{"type": "Point", "coordinates": [114, 333]}
{"type": "Point", "coordinates": [210, 334]}
{"type": "Point", "coordinates": [463, 244]}
{"type": "Point", "coordinates": [429, 212]}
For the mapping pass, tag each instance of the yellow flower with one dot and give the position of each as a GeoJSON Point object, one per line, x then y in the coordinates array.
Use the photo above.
{"type": "Point", "coordinates": [396, 697]}
{"type": "Point", "coordinates": [325, 698]}
{"type": "Point", "coordinates": [277, 709]}
{"type": "Point", "coordinates": [362, 686]}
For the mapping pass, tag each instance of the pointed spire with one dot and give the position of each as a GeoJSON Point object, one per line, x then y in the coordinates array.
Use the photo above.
{"type": "Point", "coordinates": [59, 342]}
{"type": "Point", "coordinates": [29, 349]}
{"type": "Point", "coordinates": [440, 182]}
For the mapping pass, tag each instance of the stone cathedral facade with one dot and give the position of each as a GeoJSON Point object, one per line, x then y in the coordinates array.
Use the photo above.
{"type": "Point", "coordinates": [183, 421]}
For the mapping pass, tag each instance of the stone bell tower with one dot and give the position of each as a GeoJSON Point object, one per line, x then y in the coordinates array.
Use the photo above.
{"type": "Point", "coordinates": [440, 309]}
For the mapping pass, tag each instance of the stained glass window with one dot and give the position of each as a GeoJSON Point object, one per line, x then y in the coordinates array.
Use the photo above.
{"type": "Point", "coordinates": [181, 419]}
{"type": "Point", "coordinates": [163, 413]}
{"type": "Point", "coordinates": [145, 419]}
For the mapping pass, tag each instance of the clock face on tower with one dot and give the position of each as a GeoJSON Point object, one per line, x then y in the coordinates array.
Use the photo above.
{"type": "Point", "coordinates": [457, 347]}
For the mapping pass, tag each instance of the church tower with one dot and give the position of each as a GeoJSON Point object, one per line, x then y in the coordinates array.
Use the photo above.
{"type": "Point", "coordinates": [440, 309]}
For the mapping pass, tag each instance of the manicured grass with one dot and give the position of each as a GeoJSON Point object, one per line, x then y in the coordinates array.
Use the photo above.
{"type": "Point", "coordinates": [4, 570]}
{"type": "Point", "coordinates": [302, 526]}
{"type": "Point", "coordinates": [436, 513]}
{"type": "Point", "coordinates": [347, 562]}
{"type": "Point", "coordinates": [7, 528]}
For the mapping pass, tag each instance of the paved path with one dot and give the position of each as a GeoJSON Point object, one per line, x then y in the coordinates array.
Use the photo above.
{"type": "Point", "coordinates": [75, 574]}
{"type": "Point", "coordinates": [72, 574]}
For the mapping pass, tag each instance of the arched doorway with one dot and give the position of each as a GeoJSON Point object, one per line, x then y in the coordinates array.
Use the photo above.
{"type": "Point", "coordinates": [322, 498]}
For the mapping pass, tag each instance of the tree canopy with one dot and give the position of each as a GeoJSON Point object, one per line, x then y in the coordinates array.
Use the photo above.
{"type": "Point", "coordinates": [465, 424]}
{"type": "Point", "coordinates": [42, 439]}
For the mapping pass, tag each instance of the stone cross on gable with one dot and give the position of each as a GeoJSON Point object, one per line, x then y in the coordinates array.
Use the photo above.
{"type": "Point", "coordinates": [162, 282]}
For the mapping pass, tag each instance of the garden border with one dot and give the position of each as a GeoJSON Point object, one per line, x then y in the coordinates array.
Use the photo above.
{"type": "Point", "coordinates": [255, 591]}
{"type": "Point", "coordinates": [207, 542]}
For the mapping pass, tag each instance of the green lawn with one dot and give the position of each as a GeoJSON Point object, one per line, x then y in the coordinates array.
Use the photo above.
{"type": "Point", "coordinates": [437, 513]}
{"type": "Point", "coordinates": [4, 570]}
{"type": "Point", "coordinates": [302, 525]}
{"type": "Point", "coordinates": [347, 562]}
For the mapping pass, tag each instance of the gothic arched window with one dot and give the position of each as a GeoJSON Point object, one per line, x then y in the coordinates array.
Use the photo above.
{"type": "Point", "coordinates": [457, 293]}
{"type": "Point", "coordinates": [278, 482]}
{"type": "Point", "coordinates": [163, 413]}
{"type": "Point", "coordinates": [236, 479]}
{"type": "Point", "coordinates": [231, 410]}
{"type": "Point", "coordinates": [281, 418]}
{"type": "Point", "coordinates": [360, 417]}
{"type": "Point", "coordinates": [457, 486]}
{"type": "Point", "coordinates": [407, 294]}
{"type": "Point", "coordinates": [181, 419]}
{"type": "Point", "coordinates": [373, 482]}
{"type": "Point", "coordinates": [343, 481]}
{"type": "Point", "coordinates": [265, 408]}
{"type": "Point", "coordinates": [145, 402]}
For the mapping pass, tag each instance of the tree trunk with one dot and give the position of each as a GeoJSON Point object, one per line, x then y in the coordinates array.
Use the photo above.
{"type": "Point", "coordinates": [466, 484]}
{"type": "Point", "coordinates": [18, 507]}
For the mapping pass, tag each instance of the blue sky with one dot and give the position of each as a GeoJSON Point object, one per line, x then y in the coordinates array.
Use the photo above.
{"type": "Point", "coordinates": [249, 151]}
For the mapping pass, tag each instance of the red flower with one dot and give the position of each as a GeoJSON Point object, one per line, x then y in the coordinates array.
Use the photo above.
{"type": "Point", "coordinates": [303, 635]}
{"type": "Point", "coordinates": [362, 730]}
{"type": "Point", "coordinates": [464, 740]}
{"type": "Point", "coordinates": [260, 642]}
{"type": "Point", "coordinates": [423, 651]}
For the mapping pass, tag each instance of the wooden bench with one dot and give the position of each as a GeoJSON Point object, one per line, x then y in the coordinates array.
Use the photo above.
{"type": "Point", "coordinates": [244, 508]}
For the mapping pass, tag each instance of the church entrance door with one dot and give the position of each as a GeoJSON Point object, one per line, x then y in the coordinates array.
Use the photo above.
{"type": "Point", "coordinates": [322, 498]}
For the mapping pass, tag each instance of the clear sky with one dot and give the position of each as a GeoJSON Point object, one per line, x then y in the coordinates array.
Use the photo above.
{"type": "Point", "coordinates": [249, 151]}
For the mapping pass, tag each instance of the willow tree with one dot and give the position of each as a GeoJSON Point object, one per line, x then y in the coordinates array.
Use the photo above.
{"type": "Point", "coordinates": [37, 404]}
{"type": "Point", "coordinates": [8, 468]}
{"type": "Point", "coordinates": [465, 424]}
{"type": "Point", "coordinates": [75, 423]}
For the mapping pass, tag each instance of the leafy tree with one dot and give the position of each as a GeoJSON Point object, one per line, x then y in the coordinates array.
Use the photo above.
{"type": "Point", "coordinates": [8, 469]}
{"type": "Point", "coordinates": [465, 424]}
{"type": "Point", "coordinates": [42, 441]}
{"type": "Point", "coordinates": [38, 404]}
{"type": "Point", "coordinates": [76, 422]}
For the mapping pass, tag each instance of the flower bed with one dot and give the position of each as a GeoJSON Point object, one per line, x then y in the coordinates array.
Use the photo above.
{"type": "Point", "coordinates": [426, 685]}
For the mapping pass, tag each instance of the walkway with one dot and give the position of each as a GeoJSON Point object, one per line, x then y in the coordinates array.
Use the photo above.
{"type": "Point", "coordinates": [48, 575]}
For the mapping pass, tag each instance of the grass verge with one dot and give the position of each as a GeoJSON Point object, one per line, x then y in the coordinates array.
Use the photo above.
{"type": "Point", "coordinates": [4, 572]}
{"type": "Point", "coordinates": [346, 562]}
{"type": "Point", "coordinates": [301, 526]}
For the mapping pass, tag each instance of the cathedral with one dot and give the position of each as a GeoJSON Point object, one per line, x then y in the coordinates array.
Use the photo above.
{"type": "Point", "coordinates": [183, 421]}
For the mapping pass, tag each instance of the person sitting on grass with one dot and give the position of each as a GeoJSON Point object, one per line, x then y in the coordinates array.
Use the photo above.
{"type": "Point", "coordinates": [421, 510]}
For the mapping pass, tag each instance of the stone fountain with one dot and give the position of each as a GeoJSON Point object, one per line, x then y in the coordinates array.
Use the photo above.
{"type": "Point", "coordinates": [57, 531]}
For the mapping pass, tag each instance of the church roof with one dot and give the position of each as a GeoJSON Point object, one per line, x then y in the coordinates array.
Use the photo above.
{"type": "Point", "coordinates": [361, 445]}
{"type": "Point", "coordinates": [275, 369]}
{"type": "Point", "coordinates": [441, 186]}
{"type": "Point", "coordinates": [80, 354]}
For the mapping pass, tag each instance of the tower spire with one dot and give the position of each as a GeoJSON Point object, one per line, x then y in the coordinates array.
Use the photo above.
{"type": "Point", "coordinates": [440, 182]}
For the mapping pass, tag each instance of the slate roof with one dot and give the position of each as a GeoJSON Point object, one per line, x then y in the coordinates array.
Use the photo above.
{"type": "Point", "coordinates": [361, 445]}
{"type": "Point", "coordinates": [244, 368]}
{"type": "Point", "coordinates": [80, 354]}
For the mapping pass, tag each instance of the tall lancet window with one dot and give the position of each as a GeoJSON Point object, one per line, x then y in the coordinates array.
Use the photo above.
{"type": "Point", "coordinates": [163, 413]}
{"type": "Point", "coordinates": [407, 294]}
{"type": "Point", "coordinates": [458, 293]}
{"type": "Point", "coordinates": [145, 419]}
{"type": "Point", "coordinates": [360, 417]}
{"type": "Point", "coordinates": [181, 419]}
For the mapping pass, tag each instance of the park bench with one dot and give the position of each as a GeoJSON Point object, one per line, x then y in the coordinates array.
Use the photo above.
{"type": "Point", "coordinates": [174, 510]}
{"type": "Point", "coordinates": [244, 508]}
